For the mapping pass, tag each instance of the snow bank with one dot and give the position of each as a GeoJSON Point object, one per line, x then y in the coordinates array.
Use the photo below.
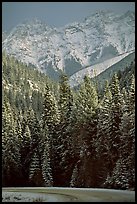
{"type": "Point", "coordinates": [56, 194]}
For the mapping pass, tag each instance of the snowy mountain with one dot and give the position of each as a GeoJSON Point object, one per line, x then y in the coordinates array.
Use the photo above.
{"type": "Point", "coordinates": [99, 37]}
{"type": "Point", "coordinates": [4, 35]}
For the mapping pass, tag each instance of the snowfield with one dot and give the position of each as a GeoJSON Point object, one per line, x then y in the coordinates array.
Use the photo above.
{"type": "Point", "coordinates": [59, 194]}
{"type": "Point", "coordinates": [96, 69]}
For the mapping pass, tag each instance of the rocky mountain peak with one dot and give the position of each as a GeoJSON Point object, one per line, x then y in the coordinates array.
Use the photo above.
{"type": "Point", "coordinates": [100, 36]}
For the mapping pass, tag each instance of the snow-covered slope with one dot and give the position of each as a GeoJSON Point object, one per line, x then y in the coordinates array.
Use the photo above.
{"type": "Point", "coordinates": [101, 36]}
{"type": "Point", "coordinates": [95, 70]}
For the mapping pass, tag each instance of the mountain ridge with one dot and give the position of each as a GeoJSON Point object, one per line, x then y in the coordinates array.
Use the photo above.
{"type": "Point", "coordinates": [101, 36]}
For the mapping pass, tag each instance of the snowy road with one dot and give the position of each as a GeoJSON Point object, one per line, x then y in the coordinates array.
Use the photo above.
{"type": "Point", "coordinates": [54, 194]}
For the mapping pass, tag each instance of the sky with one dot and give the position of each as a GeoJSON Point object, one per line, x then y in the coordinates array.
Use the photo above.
{"type": "Point", "coordinates": [56, 14]}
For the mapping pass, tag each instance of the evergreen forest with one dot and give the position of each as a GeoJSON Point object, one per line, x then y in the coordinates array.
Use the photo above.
{"type": "Point", "coordinates": [53, 135]}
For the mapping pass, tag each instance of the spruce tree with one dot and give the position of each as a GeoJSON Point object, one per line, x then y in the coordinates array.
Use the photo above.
{"type": "Point", "coordinates": [35, 170]}
{"type": "Point", "coordinates": [116, 115]}
{"type": "Point", "coordinates": [74, 177]}
{"type": "Point", "coordinates": [114, 129]}
{"type": "Point", "coordinates": [103, 141]}
{"type": "Point", "coordinates": [131, 129]}
{"type": "Point", "coordinates": [35, 173]}
{"type": "Point", "coordinates": [46, 165]}
{"type": "Point", "coordinates": [49, 122]}
{"type": "Point", "coordinates": [45, 156]}
{"type": "Point", "coordinates": [10, 150]}
{"type": "Point", "coordinates": [34, 127]}
{"type": "Point", "coordinates": [86, 130]}
{"type": "Point", "coordinates": [66, 117]}
{"type": "Point", "coordinates": [87, 108]}
{"type": "Point", "coordinates": [50, 116]}
{"type": "Point", "coordinates": [25, 153]}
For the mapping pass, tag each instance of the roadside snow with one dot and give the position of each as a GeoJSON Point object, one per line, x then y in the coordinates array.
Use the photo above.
{"type": "Point", "coordinates": [56, 194]}
{"type": "Point", "coordinates": [34, 197]}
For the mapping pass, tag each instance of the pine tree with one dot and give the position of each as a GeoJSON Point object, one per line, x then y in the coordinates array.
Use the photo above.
{"type": "Point", "coordinates": [87, 116]}
{"type": "Point", "coordinates": [85, 130]}
{"type": "Point", "coordinates": [34, 127]}
{"type": "Point", "coordinates": [114, 129]}
{"type": "Point", "coordinates": [66, 117]}
{"type": "Point", "coordinates": [125, 127]}
{"type": "Point", "coordinates": [87, 99]}
{"type": "Point", "coordinates": [45, 156]}
{"type": "Point", "coordinates": [25, 153]}
{"type": "Point", "coordinates": [49, 122]}
{"type": "Point", "coordinates": [103, 141]}
{"type": "Point", "coordinates": [10, 150]}
{"type": "Point", "coordinates": [128, 130]}
{"type": "Point", "coordinates": [35, 174]}
{"type": "Point", "coordinates": [87, 103]}
{"type": "Point", "coordinates": [46, 165]}
{"type": "Point", "coordinates": [74, 177]}
{"type": "Point", "coordinates": [18, 128]}
{"type": "Point", "coordinates": [35, 170]}
{"type": "Point", "coordinates": [120, 176]}
{"type": "Point", "coordinates": [65, 99]}
{"type": "Point", "coordinates": [50, 116]}
{"type": "Point", "coordinates": [27, 137]}
{"type": "Point", "coordinates": [116, 115]}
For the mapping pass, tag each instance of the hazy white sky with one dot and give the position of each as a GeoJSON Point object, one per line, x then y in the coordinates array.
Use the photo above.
{"type": "Point", "coordinates": [56, 13]}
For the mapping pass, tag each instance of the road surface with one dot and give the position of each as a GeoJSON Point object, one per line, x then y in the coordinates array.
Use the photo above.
{"type": "Point", "coordinates": [59, 194]}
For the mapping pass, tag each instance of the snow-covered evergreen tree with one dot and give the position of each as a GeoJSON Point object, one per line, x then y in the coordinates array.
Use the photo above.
{"type": "Point", "coordinates": [34, 166]}
{"type": "Point", "coordinates": [65, 99]}
{"type": "Point", "coordinates": [65, 126]}
{"type": "Point", "coordinates": [10, 150]}
{"type": "Point", "coordinates": [27, 137]}
{"type": "Point", "coordinates": [74, 177]}
{"type": "Point", "coordinates": [132, 132]}
{"type": "Point", "coordinates": [25, 152]}
{"type": "Point", "coordinates": [120, 175]}
{"type": "Point", "coordinates": [87, 107]}
{"type": "Point", "coordinates": [128, 134]}
{"type": "Point", "coordinates": [87, 100]}
{"type": "Point", "coordinates": [35, 172]}
{"type": "Point", "coordinates": [35, 162]}
{"type": "Point", "coordinates": [46, 165]}
{"type": "Point", "coordinates": [85, 129]}
{"type": "Point", "coordinates": [116, 115]}
{"type": "Point", "coordinates": [34, 127]}
{"type": "Point", "coordinates": [104, 120]}
{"type": "Point", "coordinates": [18, 128]}
{"type": "Point", "coordinates": [50, 115]}
{"type": "Point", "coordinates": [44, 151]}
{"type": "Point", "coordinates": [122, 160]}
{"type": "Point", "coordinates": [49, 136]}
{"type": "Point", "coordinates": [103, 142]}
